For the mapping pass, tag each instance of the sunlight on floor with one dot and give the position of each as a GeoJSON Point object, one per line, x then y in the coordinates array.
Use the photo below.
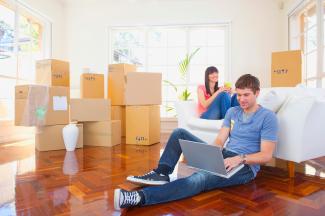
{"type": "Point", "coordinates": [310, 170]}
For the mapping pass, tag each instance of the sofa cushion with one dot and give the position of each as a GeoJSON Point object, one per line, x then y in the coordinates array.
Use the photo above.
{"type": "Point", "coordinates": [273, 100]}
{"type": "Point", "coordinates": [204, 124]}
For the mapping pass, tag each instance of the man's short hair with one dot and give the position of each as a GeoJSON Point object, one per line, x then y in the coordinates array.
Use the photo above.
{"type": "Point", "coordinates": [248, 81]}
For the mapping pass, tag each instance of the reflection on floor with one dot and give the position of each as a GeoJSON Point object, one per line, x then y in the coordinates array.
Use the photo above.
{"type": "Point", "coordinates": [82, 183]}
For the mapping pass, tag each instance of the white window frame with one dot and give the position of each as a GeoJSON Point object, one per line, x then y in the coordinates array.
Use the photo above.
{"type": "Point", "coordinates": [226, 24]}
{"type": "Point", "coordinates": [297, 7]}
{"type": "Point", "coordinates": [16, 6]}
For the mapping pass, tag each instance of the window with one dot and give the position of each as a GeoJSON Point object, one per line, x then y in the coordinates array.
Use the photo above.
{"type": "Point", "coordinates": [306, 28]}
{"type": "Point", "coordinates": [161, 48]}
{"type": "Point", "coordinates": [24, 38]}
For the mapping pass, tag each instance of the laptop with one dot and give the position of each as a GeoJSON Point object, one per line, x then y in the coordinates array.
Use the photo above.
{"type": "Point", "coordinates": [206, 157]}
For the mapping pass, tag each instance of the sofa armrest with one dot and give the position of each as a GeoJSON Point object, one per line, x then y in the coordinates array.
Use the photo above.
{"type": "Point", "coordinates": [185, 110]}
{"type": "Point", "coordinates": [301, 121]}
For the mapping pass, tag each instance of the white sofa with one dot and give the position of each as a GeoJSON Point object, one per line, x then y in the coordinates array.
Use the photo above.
{"type": "Point", "coordinates": [301, 116]}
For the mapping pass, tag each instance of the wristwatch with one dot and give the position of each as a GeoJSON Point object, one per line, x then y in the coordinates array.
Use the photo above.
{"type": "Point", "coordinates": [243, 158]}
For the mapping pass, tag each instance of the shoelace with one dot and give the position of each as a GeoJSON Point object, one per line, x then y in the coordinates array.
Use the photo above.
{"type": "Point", "coordinates": [147, 174]}
{"type": "Point", "coordinates": [131, 198]}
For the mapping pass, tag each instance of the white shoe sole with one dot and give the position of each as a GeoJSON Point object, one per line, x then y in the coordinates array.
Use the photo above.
{"type": "Point", "coordinates": [117, 193]}
{"type": "Point", "coordinates": [145, 182]}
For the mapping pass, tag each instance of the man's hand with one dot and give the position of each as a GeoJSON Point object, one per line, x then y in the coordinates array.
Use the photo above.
{"type": "Point", "coordinates": [232, 162]}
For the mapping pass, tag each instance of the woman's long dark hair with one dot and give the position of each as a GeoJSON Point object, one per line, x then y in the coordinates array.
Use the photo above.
{"type": "Point", "coordinates": [209, 71]}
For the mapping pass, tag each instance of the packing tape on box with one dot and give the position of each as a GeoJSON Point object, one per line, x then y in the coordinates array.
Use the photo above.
{"type": "Point", "coordinates": [39, 129]}
{"type": "Point", "coordinates": [36, 106]}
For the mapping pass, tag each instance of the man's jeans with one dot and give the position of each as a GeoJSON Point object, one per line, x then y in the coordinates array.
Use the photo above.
{"type": "Point", "coordinates": [194, 184]}
{"type": "Point", "coordinates": [219, 106]}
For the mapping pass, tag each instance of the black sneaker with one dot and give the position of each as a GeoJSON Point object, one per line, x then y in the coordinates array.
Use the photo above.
{"type": "Point", "coordinates": [151, 178]}
{"type": "Point", "coordinates": [126, 199]}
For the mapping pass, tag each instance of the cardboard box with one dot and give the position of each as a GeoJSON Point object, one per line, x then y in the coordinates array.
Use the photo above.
{"type": "Point", "coordinates": [50, 138]}
{"type": "Point", "coordinates": [104, 133]}
{"type": "Point", "coordinates": [134, 88]}
{"type": "Point", "coordinates": [38, 105]}
{"type": "Point", "coordinates": [92, 85]}
{"type": "Point", "coordinates": [53, 72]}
{"type": "Point", "coordinates": [142, 125]}
{"type": "Point", "coordinates": [286, 69]}
{"type": "Point", "coordinates": [118, 113]}
{"type": "Point", "coordinates": [83, 110]}
{"type": "Point", "coordinates": [122, 68]}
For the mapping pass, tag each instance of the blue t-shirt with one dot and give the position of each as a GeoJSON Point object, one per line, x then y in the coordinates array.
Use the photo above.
{"type": "Point", "coordinates": [245, 137]}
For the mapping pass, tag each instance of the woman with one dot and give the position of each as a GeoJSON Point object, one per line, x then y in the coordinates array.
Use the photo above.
{"type": "Point", "coordinates": [214, 101]}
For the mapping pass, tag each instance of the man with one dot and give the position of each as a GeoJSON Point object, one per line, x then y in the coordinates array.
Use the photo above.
{"type": "Point", "coordinates": [252, 132]}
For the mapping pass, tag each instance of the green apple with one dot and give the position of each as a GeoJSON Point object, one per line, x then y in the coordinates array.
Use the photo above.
{"type": "Point", "coordinates": [228, 84]}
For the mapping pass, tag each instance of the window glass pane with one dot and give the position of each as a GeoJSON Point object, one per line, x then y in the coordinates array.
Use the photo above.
{"type": "Point", "coordinates": [176, 37]}
{"type": "Point", "coordinates": [311, 83]}
{"type": "Point", "coordinates": [172, 94]}
{"type": "Point", "coordinates": [157, 38]}
{"type": "Point", "coordinates": [7, 57]}
{"type": "Point", "coordinates": [30, 35]}
{"type": "Point", "coordinates": [216, 37]}
{"type": "Point", "coordinates": [197, 73]}
{"type": "Point", "coordinates": [163, 109]}
{"type": "Point", "coordinates": [175, 55]}
{"type": "Point", "coordinates": [128, 47]}
{"type": "Point", "coordinates": [30, 46]}
{"type": "Point", "coordinates": [157, 56]}
{"type": "Point", "coordinates": [173, 75]}
{"type": "Point", "coordinates": [310, 16]}
{"type": "Point", "coordinates": [198, 37]}
{"type": "Point", "coordinates": [7, 88]}
{"type": "Point", "coordinates": [311, 36]}
{"type": "Point", "coordinates": [216, 55]}
{"type": "Point", "coordinates": [165, 91]}
{"type": "Point", "coordinates": [311, 63]}
{"type": "Point", "coordinates": [201, 57]}
{"type": "Point", "coordinates": [323, 83]}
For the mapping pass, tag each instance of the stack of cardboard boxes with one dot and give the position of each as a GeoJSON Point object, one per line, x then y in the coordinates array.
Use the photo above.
{"type": "Point", "coordinates": [95, 112]}
{"type": "Point", "coordinates": [131, 111]}
{"type": "Point", "coordinates": [135, 98]}
{"type": "Point", "coordinates": [46, 105]}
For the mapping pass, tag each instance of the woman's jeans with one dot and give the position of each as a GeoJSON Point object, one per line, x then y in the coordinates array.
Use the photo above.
{"type": "Point", "coordinates": [219, 106]}
{"type": "Point", "coordinates": [194, 184]}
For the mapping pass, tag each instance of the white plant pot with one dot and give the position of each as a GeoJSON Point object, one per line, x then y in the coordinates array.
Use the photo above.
{"type": "Point", "coordinates": [70, 136]}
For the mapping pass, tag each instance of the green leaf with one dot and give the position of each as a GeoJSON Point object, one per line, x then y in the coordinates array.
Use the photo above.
{"type": "Point", "coordinates": [195, 51]}
{"type": "Point", "coordinates": [171, 84]}
{"type": "Point", "coordinates": [169, 108]}
{"type": "Point", "coordinates": [183, 65]}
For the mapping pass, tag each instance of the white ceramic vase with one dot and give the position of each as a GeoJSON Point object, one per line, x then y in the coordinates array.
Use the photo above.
{"type": "Point", "coordinates": [70, 163]}
{"type": "Point", "coordinates": [70, 136]}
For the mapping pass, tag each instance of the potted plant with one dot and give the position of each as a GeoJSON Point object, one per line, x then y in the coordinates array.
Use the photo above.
{"type": "Point", "coordinates": [183, 67]}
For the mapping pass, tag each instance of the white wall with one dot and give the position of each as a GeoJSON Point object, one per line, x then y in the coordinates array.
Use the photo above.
{"type": "Point", "coordinates": [258, 28]}
{"type": "Point", "coordinates": [54, 11]}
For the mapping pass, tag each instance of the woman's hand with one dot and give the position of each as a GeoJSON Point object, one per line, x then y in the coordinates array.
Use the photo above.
{"type": "Point", "coordinates": [221, 89]}
{"type": "Point", "coordinates": [228, 89]}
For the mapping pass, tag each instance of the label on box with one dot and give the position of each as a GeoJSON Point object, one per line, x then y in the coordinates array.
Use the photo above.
{"type": "Point", "coordinates": [60, 103]}
{"type": "Point", "coordinates": [57, 75]}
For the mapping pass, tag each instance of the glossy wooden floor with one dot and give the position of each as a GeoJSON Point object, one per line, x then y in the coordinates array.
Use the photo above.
{"type": "Point", "coordinates": [82, 183]}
